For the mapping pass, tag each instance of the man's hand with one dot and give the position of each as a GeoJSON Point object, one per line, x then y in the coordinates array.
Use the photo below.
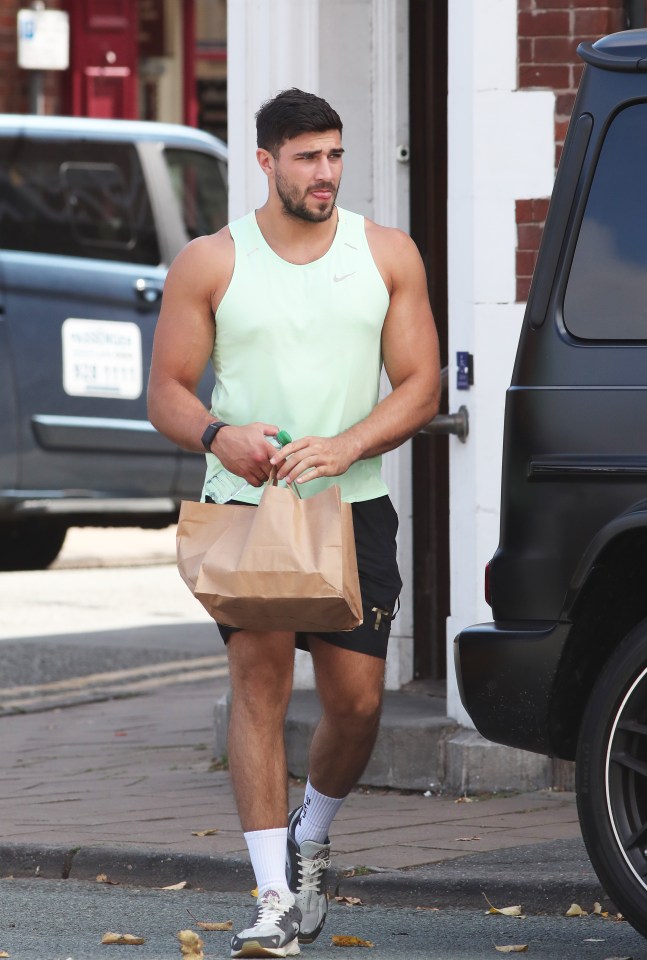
{"type": "Point", "coordinates": [246, 451]}
{"type": "Point", "coordinates": [313, 457]}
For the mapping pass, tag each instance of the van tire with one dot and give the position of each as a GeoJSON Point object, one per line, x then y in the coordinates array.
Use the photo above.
{"type": "Point", "coordinates": [30, 545]}
{"type": "Point", "coordinates": [611, 777]}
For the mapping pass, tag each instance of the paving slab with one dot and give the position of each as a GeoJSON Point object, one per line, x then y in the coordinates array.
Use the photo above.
{"type": "Point", "coordinates": [121, 786]}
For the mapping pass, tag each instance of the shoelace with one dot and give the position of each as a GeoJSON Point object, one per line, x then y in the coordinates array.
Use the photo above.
{"type": "Point", "coordinates": [270, 908]}
{"type": "Point", "coordinates": [310, 872]}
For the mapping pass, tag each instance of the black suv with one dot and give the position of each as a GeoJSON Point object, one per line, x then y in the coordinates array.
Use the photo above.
{"type": "Point", "coordinates": [562, 670]}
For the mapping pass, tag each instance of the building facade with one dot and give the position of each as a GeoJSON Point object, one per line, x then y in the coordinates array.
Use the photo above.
{"type": "Point", "coordinates": [134, 59]}
{"type": "Point", "coordinates": [455, 112]}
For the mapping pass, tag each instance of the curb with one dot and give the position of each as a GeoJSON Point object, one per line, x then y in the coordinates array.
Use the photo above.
{"type": "Point", "coordinates": [542, 880]}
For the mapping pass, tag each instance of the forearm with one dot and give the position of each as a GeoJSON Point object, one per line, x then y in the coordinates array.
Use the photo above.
{"type": "Point", "coordinates": [396, 418]}
{"type": "Point", "coordinates": [178, 413]}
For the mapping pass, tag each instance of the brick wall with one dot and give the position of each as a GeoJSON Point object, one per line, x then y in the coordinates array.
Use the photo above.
{"type": "Point", "coordinates": [14, 82]}
{"type": "Point", "coordinates": [548, 34]}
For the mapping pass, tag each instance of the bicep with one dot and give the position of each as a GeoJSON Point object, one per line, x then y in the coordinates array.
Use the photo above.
{"type": "Point", "coordinates": [185, 331]}
{"type": "Point", "coordinates": [409, 337]}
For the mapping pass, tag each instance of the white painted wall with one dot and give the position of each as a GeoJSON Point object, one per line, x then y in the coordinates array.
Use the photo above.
{"type": "Point", "coordinates": [501, 148]}
{"type": "Point", "coordinates": [271, 46]}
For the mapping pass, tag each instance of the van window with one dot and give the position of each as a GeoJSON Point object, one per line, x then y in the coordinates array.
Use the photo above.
{"type": "Point", "coordinates": [200, 184]}
{"type": "Point", "coordinates": [606, 295]}
{"type": "Point", "coordinates": [75, 198]}
{"type": "Point", "coordinates": [97, 200]}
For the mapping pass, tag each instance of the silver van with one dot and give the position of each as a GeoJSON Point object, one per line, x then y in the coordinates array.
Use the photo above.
{"type": "Point", "coordinates": [91, 214]}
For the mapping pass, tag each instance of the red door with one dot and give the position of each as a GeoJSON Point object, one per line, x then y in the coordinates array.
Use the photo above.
{"type": "Point", "coordinates": [103, 61]}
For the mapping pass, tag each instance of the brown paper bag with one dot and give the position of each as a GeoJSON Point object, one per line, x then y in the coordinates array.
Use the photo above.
{"type": "Point", "coordinates": [288, 564]}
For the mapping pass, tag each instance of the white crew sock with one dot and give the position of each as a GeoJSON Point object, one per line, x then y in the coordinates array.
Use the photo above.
{"type": "Point", "coordinates": [317, 814]}
{"type": "Point", "coordinates": [267, 853]}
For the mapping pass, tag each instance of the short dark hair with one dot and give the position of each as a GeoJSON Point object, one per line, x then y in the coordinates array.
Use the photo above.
{"type": "Point", "coordinates": [291, 113]}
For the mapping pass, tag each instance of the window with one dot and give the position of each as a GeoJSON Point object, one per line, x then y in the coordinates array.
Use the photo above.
{"type": "Point", "coordinates": [79, 199]}
{"type": "Point", "coordinates": [606, 296]}
{"type": "Point", "coordinates": [200, 184]}
{"type": "Point", "coordinates": [96, 198]}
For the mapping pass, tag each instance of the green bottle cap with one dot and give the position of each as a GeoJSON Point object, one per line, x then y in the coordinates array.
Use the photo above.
{"type": "Point", "coordinates": [283, 437]}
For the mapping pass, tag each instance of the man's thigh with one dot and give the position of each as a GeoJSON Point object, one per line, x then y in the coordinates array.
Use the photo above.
{"type": "Point", "coordinates": [260, 658]}
{"type": "Point", "coordinates": [345, 676]}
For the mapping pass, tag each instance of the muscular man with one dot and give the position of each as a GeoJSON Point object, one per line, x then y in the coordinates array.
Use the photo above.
{"type": "Point", "coordinates": [298, 305]}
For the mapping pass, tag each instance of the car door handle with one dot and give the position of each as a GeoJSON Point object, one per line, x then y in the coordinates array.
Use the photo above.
{"type": "Point", "coordinates": [148, 291]}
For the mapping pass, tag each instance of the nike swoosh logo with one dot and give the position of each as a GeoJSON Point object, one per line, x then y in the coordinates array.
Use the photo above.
{"type": "Point", "coordinates": [344, 276]}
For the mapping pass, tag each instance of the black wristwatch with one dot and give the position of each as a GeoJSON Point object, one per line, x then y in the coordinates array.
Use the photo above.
{"type": "Point", "coordinates": [209, 434]}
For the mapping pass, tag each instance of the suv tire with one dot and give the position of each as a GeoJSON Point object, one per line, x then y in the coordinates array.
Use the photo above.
{"type": "Point", "coordinates": [611, 777]}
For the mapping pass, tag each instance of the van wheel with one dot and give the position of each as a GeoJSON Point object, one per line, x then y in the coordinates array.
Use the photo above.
{"type": "Point", "coordinates": [30, 545]}
{"type": "Point", "coordinates": [611, 777]}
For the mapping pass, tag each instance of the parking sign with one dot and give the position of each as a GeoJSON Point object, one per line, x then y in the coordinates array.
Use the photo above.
{"type": "Point", "coordinates": [43, 39]}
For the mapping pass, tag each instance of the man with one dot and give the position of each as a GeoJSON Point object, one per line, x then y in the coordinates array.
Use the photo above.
{"type": "Point", "coordinates": [308, 301]}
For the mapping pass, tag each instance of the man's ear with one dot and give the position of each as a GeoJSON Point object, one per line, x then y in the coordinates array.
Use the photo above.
{"type": "Point", "coordinates": [265, 161]}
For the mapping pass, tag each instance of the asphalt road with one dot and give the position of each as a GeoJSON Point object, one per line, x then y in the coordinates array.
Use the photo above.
{"type": "Point", "coordinates": [66, 920]}
{"type": "Point", "coordinates": [111, 617]}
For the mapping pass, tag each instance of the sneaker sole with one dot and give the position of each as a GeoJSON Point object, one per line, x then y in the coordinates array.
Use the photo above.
{"type": "Point", "coordinates": [254, 949]}
{"type": "Point", "coordinates": [310, 937]}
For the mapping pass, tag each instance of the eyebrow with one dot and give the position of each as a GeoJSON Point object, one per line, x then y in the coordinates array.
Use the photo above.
{"type": "Point", "coordinates": [310, 154]}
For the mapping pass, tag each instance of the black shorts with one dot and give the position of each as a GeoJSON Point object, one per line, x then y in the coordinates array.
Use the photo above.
{"type": "Point", "coordinates": [376, 524]}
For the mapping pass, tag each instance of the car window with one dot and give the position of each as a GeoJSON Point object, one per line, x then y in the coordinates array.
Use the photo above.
{"type": "Point", "coordinates": [97, 199]}
{"type": "Point", "coordinates": [606, 294]}
{"type": "Point", "coordinates": [75, 198]}
{"type": "Point", "coordinates": [200, 184]}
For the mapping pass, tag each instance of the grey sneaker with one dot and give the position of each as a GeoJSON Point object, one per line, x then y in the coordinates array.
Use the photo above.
{"type": "Point", "coordinates": [306, 868]}
{"type": "Point", "coordinates": [273, 930]}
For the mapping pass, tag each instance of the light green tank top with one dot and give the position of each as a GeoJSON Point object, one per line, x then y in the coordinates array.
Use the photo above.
{"type": "Point", "coordinates": [299, 346]}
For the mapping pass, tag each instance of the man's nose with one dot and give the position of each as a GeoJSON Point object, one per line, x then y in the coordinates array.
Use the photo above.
{"type": "Point", "coordinates": [324, 169]}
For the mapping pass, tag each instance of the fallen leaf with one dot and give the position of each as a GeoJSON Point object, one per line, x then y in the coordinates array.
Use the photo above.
{"type": "Point", "coordinates": [176, 886]}
{"type": "Point", "coordinates": [575, 910]}
{"type": "Point", "coordinates": [254, 892]}
{"type": "Point", "coordinates": [464, 800]}
{"type": "Point", "coordinates": [512, 948]}
{"type": "Point", "coordinates": [207, 925]}
{"type": "Point", "coordinates": [466, 839]}
{"type": "Point", "coordinates": [191, 945]}
{"type": "Point", "coordinates": [338, 941]}
{"type": "Point", "coordinates": [122, 938]}
{"type": "Point", "coordinates": [351, 901]}
{"type": "Point", "coordinates": [506, 911]}
{"type": "Point", "coordinates": [103, 878]}
{"type": "Point", "coordinates": [204, 833]}
{"type": "Point", "coordinates": [3, 953]}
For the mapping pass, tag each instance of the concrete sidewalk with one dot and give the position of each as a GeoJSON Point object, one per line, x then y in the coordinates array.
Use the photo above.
{"type": "Point", "coordinates": [126, 787]}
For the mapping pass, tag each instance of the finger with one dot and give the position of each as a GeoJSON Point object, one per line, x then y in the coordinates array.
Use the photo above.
{"type": "Point", "coordinates": [307, 467]}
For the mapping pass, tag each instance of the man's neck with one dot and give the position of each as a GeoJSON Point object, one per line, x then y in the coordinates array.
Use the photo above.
{"type": "Point", "coordinates": [292, 238]}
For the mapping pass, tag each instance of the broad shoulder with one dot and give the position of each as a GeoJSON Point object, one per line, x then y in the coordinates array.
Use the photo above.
{"type": "Point", "coordinates": [206, 251]}
{"type": "Point", "coordinates": [393, 250]}
{"type": "Point", "coordinates": [205, 264]}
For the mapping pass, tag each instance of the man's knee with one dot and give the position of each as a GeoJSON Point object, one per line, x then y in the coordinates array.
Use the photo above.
{"type": "Point", "coordinates": [361, 709]}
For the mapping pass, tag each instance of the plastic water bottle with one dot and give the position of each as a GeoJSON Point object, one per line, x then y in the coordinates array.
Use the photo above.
{"type": "Point", "coordinates": [224, 485]}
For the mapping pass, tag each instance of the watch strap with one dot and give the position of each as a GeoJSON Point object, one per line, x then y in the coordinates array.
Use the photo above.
{"type": "Point", "coordinates": [210, 433]}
